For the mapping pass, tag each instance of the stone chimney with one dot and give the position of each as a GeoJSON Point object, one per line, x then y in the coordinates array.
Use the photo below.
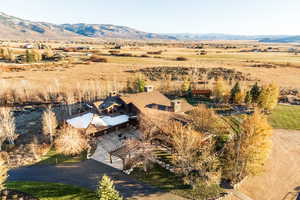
{"type": "Point", "coordinates": [149, 88]}
{"type": "Point", "coordinates": [176, 105]}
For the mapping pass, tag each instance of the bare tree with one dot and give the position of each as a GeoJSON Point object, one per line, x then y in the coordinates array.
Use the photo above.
{"type": "Point", "coordinates": [71, 141]}
{"type": "Point", "coordinates": [7, 125]}
{"type": "Point", "coordinates": [49, 123]}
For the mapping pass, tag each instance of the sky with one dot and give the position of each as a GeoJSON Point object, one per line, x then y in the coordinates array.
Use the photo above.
{"type": "Point", "coordinates": [247, 17]}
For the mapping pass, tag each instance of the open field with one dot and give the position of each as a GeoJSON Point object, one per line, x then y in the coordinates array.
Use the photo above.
{"type": "Point", "coordinates": [285, 68]}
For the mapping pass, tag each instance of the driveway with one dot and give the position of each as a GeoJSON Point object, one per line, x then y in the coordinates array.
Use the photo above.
{"type": "Point", "coordinates": [87, 174]}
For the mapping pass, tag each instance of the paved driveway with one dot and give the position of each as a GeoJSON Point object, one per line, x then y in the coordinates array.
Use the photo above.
{"type": "Point", "coordinates": [87, 174]}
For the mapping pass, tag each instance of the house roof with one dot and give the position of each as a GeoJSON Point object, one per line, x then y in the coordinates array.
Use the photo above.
{"type": "Point", "coordinates": [146, 99]}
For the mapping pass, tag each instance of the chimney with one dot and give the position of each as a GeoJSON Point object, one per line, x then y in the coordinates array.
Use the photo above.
{"type": "Point", "coordinates": [113, 93]}
{"type": "Point", "coordinates": [149, 88]}
{"type": "Point", "coordinates": [176, 105]}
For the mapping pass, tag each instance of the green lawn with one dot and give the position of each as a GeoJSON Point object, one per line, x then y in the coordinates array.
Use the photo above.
{"type": "Point", "coordinates": [52, 191]}
{"type": "Point", "coordinates": [53, 158]}
{"type": "Point", "coordinates": [285, 117]}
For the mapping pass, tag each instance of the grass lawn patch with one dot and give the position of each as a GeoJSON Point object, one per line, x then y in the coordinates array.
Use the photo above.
{"type": "Point", "coordinates": [52, 191]}
{"type": "Point", "coordinates": [285, 117]}
{"type": "Point", "coordinates": [54, 158]}
{"type": "Point", "coordinates": [170, 182]}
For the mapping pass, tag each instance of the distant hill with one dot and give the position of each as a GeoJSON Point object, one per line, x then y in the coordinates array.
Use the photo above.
{"type": "Point", "coordinates": [220, 36]}
{"type": "Point", "coordinates": [112, 31]}
{"type": "Point", "coordinates": [290, 39]}
{"type": "Point", "coordinates": [15, 28]}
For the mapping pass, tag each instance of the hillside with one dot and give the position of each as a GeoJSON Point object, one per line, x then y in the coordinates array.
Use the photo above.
{"type": "Point", "coordinates": [15, 28]}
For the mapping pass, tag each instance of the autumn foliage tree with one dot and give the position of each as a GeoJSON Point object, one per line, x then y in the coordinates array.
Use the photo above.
{"type": "Point", "coordinates": [249, 149]}
{"type": "Point", "coordinates": [268, 97]}
{"type": "Point", "coordinates": [71, 142]}
{"type": "Point", "coordinates": [206, 120]}
{"type": "Point", "coordinates": [221, 90]}
{"type": "Point", "coordinates": [3, 173]}
{"type": "Point", "coordinates": [192, 154]}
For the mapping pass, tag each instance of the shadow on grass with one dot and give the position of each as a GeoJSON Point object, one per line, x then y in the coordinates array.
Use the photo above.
{"type": "Point", "coordinates": [160, 177]}
{"type": "Point", "coordinates": [52, 191]}
{"type": "Point", "coordinates": [53, 158]}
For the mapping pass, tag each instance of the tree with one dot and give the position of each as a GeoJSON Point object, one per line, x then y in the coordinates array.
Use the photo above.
{"type": "Point", "coordinates": [192, 154]}
{"type": "Point", "coordinates": [255, 93]}
{"type": "Point", "coordinates": [106, 190]}
{"type": "Point", "coordinates": [33, 56]}
{"type": "Point", "coordinates": [248, 98]}
{"type": "Point", "coordinates": [268, 97]}
{"type": "Point", "coordinates": [185, 86]}
{"type": "Point", "coordinates": [70, 142]}
{"type": "Point", "coordinates": [206, 120]}
{"type": "Point", "coordinates": [7, 126]}
{"type": "Point", "coordinates": [247, 153]}
{"type": "Point", "coordinates": [49, 123]}
{"type": "Point", "coordinates": [3, 173]}
{"type": "Point", "coordinates": [143, 145]}
{"type": "Point", "coordinates": [239, 97]}
{"type": "Point", "coordinates": [140, 84]}
{"type": "Point", "coordinates": [221, 90]}
{"type": "Point", "coordinates": [234, 92]}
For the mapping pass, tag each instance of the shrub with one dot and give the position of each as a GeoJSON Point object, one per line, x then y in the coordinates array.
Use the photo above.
{"type": "Point", "coordinates": [181, 59]}
{"type": "Point", "coordinates": [96, 58]}
{"type": "Point", "coordinates": [70, 142]}
{"type": "Point", "coordinates": [154, 52]}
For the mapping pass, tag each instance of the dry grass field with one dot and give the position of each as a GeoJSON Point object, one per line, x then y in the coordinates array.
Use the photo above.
{"type": "Point", "coordinates": [285, 66]}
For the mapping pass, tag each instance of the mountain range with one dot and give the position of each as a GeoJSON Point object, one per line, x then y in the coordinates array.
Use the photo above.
{"type": "Point", "coordinates": [15, 28]}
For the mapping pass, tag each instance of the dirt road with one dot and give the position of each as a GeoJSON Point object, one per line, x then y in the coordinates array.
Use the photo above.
{"type": "Point", "coordinates": [282, 173]}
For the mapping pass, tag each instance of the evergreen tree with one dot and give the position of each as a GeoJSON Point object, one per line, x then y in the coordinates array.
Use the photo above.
{"type": "Point", "coordinates": [106, 190]}
{"type": "Point", "coordinates": [254, 93]}
{"type": "Point", "coordinates": [234, 92]}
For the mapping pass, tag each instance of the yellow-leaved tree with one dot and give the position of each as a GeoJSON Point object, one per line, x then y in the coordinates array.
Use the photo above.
{"type": "Point", "coordinates": [221, 90]}
{"type": "Point", "coordinates": [3, 173]}
{"type": "Point", "coordinates": [250, 148]}
{"type": "Point", "coordinates": [268, 97]}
